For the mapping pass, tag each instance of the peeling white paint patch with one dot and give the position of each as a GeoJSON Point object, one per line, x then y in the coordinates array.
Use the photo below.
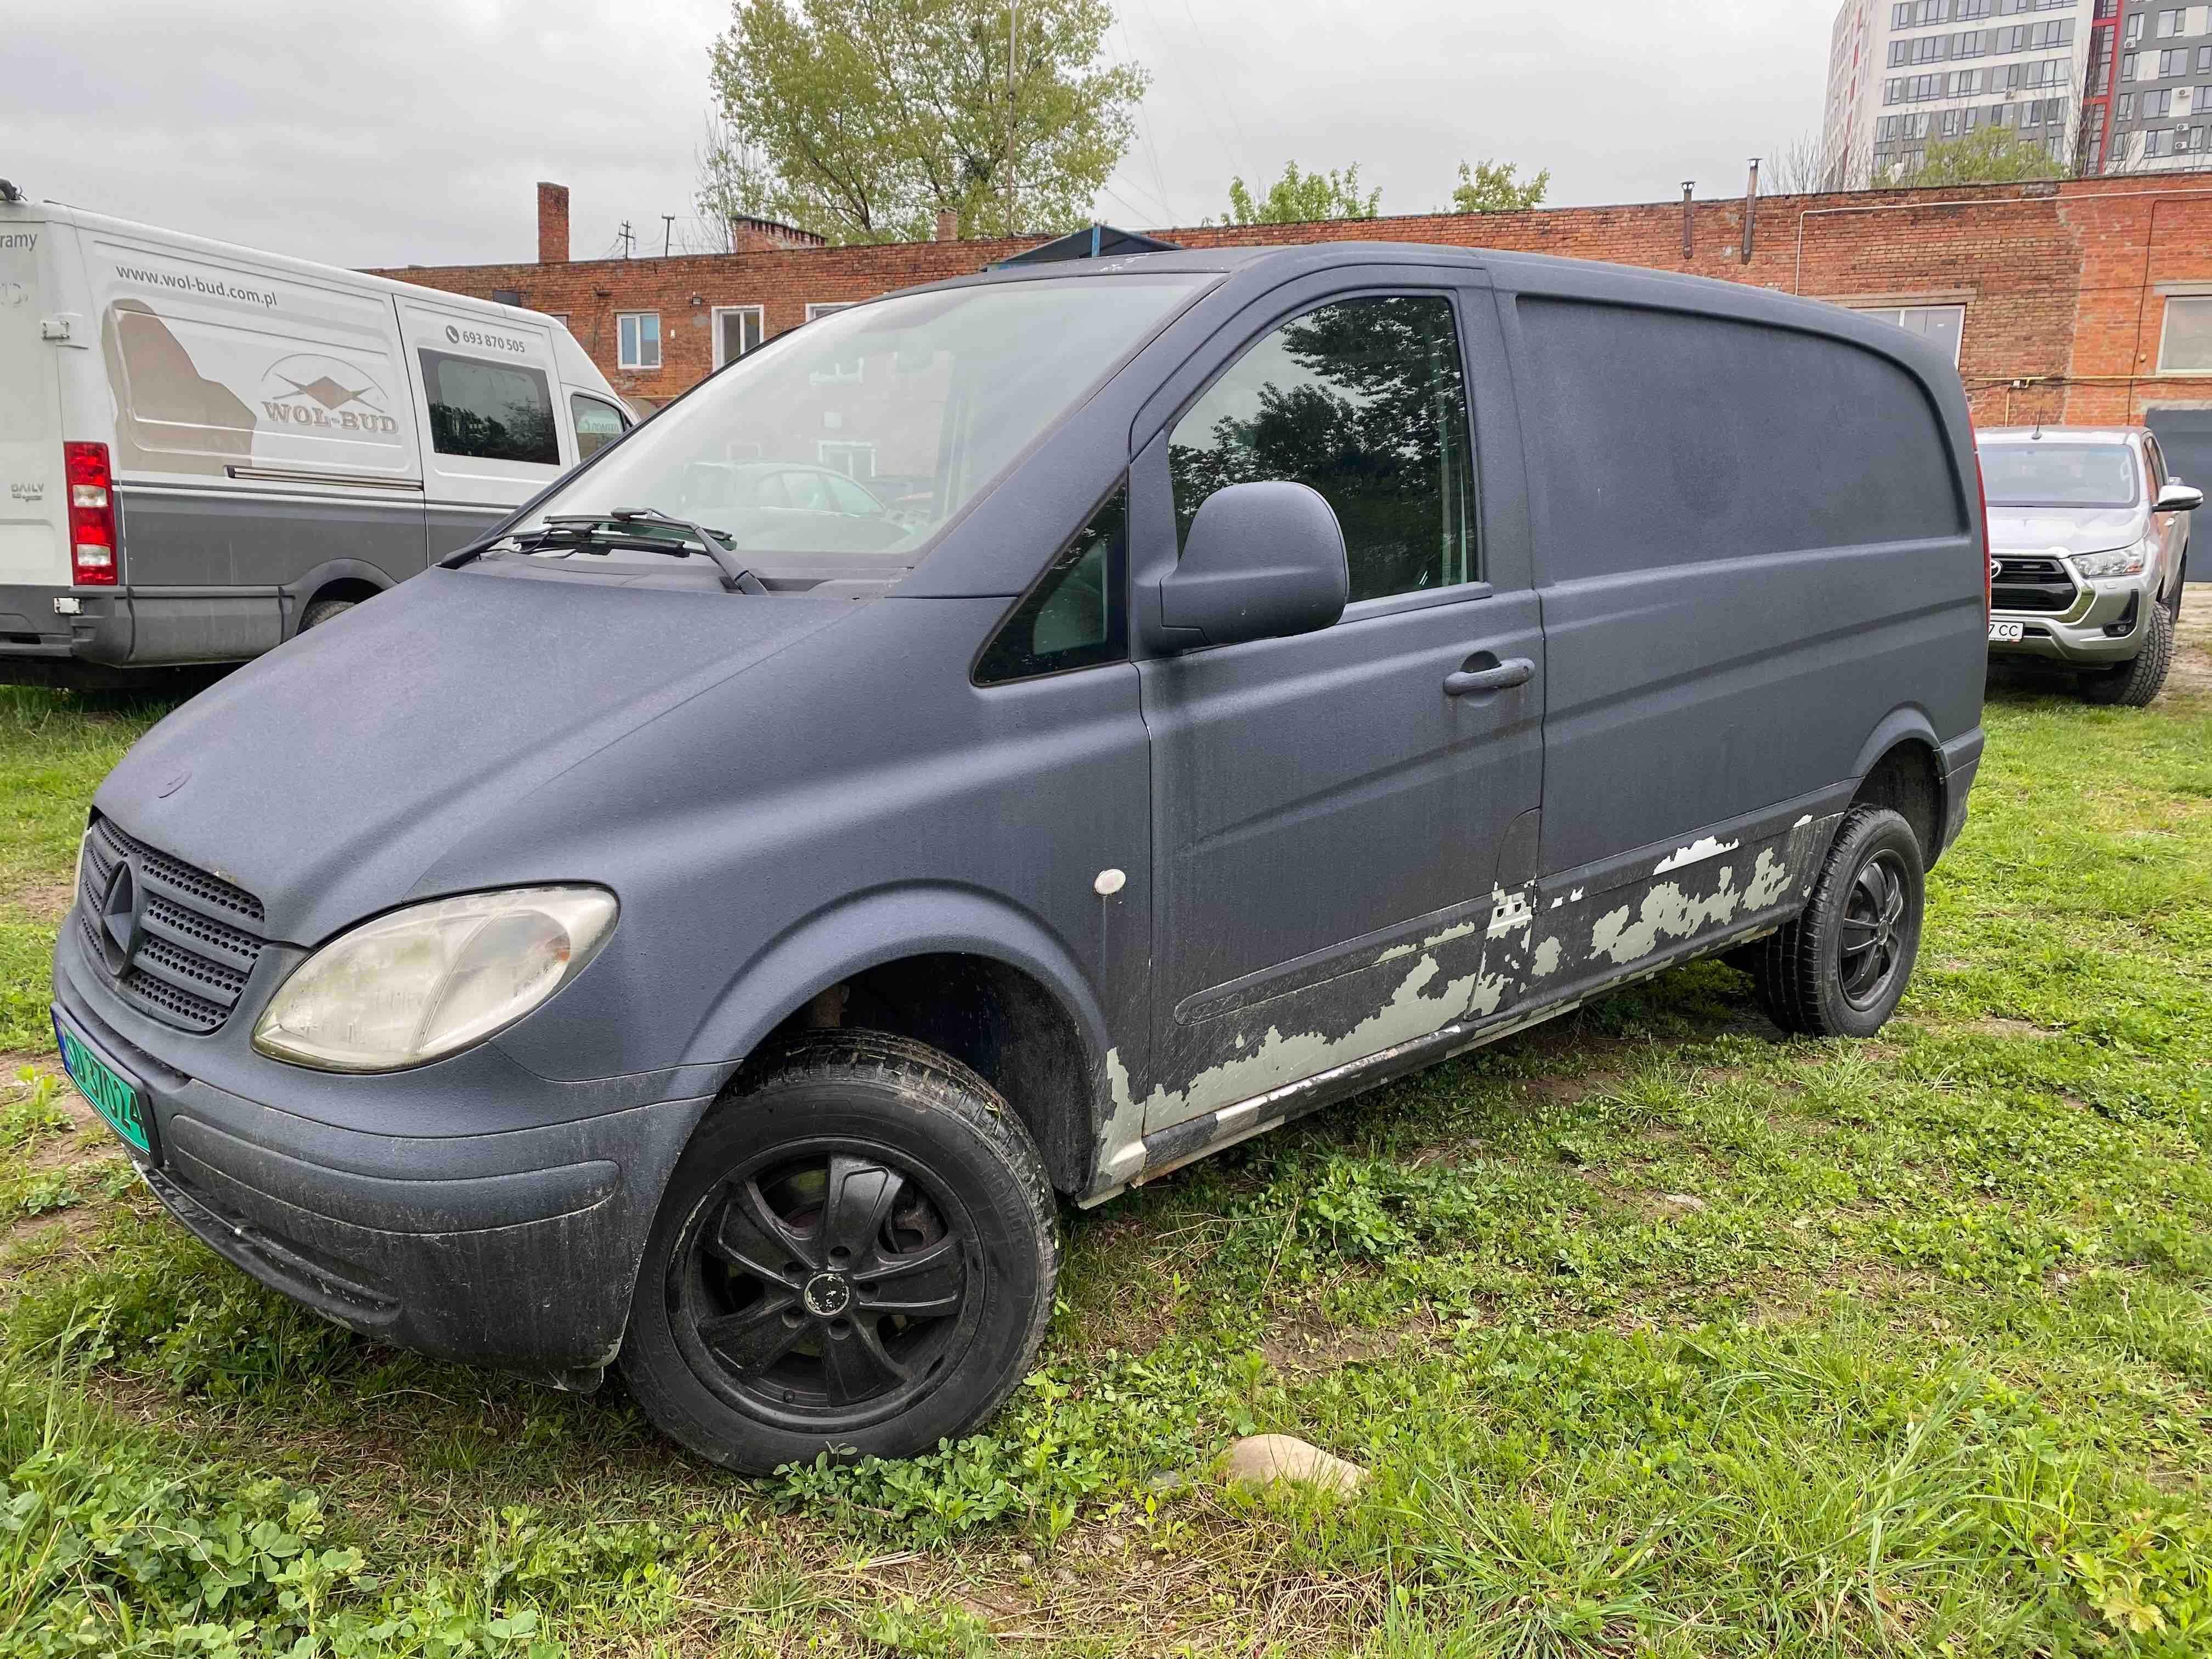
{"type": "Point", "coordinates": [1121, 1143]}
{"type": "Point", "coordinates": [1696, 852]}
{"type": "Point", "coordinates": [1575, 897]}
{"type": "Point", "coordinates": [1547, 958]}
{"type": "Point", "coordinates": [1511, 912]}
{"type": "Point", "coordinates": [1802, 822]}
{"type": "Point", "coordinates": [1458, 930]}
{"type": "Point", "coordinates": [1770, 879]}
{"type": "Point", "coordinates": [1418, 1007]}
{"type": "Point", "coordinates": [1667, 912]}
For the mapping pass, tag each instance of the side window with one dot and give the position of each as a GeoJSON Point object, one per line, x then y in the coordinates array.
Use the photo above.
{"type": "Point", "coordinates": [2157, 465]}
{"type": "Point", "coordinates": [1365, 401]}
{"type": "Point", "coordinates": [1662, 438]}
{"type": "Point", "coordinates": [599, 423]}
{"type": "Point", "coordinates": [1075, 617]}
{"type": "Point", "coordinates": [493, 411]}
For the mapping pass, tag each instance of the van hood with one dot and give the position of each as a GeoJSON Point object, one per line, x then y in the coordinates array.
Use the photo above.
{"type": "Point", "coordinates": [327, 776]}
{"type": "Point", "coordinates": [2064, 528]}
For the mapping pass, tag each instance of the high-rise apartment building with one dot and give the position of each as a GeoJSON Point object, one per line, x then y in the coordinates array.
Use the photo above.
{"type": "Point", "coordinates": [1905, 74]}
{"type": "Point", "coordinates": [2149, 103]}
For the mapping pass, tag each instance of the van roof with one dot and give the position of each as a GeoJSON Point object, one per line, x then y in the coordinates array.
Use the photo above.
{"type": "Point", "coordinates": [1262, 265]}
{"type": "Point", "coordinates": [208, 247]}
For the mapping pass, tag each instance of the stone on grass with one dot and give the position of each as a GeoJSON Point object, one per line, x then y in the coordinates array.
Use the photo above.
{"type": "Point", "coordinates": [1264, 1458]}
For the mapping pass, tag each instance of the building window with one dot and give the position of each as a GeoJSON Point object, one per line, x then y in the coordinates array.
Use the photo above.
{"type": "Point", "coordinates": [1944, 325]}
{"type": "Point", "coordinates": [846, 371]}
{"type": "Point", "coordinates": [738, 329]}
{"type": "Point", "coordinates": [2169, 25]}
{"type": "Point", "coordinates": [2174, 62]}
{"type": "Point", "coordinates": [853, 459]}
{"type": "Point", "coordinates": [2186, 347]}
{"type": "Point", "coordinates": [2135, 28]}
{"type": "Point", "coordinates": [638, 334]}
{"type": "Point", "coordinates": [2125, 107]}
{"type": "Point", "coordinates": [823, 307]}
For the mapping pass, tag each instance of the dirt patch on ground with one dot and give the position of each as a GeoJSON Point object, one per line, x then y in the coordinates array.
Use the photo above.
{"type": "Point", "coordinates": [2191, 673]}
{"type": "Point", "coordinates": [47, 901]}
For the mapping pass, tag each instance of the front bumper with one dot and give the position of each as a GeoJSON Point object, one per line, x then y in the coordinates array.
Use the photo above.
{"type": "Point", "coordinates": [517, 1249]}
{"type": "Point", "coordinates": [2104, 625]}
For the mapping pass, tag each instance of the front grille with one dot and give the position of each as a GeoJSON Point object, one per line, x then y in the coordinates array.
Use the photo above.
{"type": "Point", "coordinates": [2032, 582]}
{"type": "Point", "coordinates": [193, 955]}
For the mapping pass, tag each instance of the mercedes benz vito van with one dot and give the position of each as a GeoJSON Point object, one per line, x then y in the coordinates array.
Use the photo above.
{"type": "Point", "coordinates": [700, 932]}
{"type": "Point", "coordinates": [204, 450]}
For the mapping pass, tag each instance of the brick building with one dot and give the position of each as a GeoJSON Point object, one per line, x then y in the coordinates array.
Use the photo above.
{"type": "Point", "coordinates": [2086, 301]}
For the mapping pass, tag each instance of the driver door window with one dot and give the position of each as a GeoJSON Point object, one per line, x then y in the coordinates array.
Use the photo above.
{"type": "Point", "coordinates": [1365, 401]}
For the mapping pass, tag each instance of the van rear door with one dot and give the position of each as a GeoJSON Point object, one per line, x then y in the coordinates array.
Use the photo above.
{"type": "Point", "coordinates": [486, 389]}
{"type": "Point", "coordinates": [33, 500]}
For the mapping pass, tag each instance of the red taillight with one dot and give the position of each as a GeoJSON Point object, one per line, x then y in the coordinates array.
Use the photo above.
{"type": "Point", "coordinates": [1989, 559]}
{"type": "Point", "coordinates": [91, 514]}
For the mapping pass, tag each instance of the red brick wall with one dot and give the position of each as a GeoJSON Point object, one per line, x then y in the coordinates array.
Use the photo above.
{"type": "Point", "coordinates": [2059, 281]}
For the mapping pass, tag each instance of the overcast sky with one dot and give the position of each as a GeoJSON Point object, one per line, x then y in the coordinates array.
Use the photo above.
{"type": "Point", "coordinates": [412, 132]}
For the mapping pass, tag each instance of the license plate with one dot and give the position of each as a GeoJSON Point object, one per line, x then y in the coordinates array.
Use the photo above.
{"type": "Point", "coordinates": [113, 1093]}
{"type": "Point", "coordinates": [2006, 633]}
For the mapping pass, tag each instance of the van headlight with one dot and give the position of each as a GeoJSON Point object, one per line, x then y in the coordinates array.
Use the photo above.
{"type": "Point", "coordinates": [431, 980]}
{"type": "Point", "coordinates": [2120, 562]}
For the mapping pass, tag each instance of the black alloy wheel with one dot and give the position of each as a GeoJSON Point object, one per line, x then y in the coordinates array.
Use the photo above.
{"type": "Point", "coordinates": [1842, 966]}
{"type": "Point", "coordinates": [1872, 943]}
{"type": "Point", "coordinates": [854, 1255]}
{"type": "Point", "coordinates": [823, 1286]}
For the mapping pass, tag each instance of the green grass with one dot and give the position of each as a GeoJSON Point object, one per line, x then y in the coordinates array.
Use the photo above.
{"type": "Point", "coordinates": [1658, 1333]}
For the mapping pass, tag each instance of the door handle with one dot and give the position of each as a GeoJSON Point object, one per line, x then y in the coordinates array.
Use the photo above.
{"type": "Point", "coordinates": [1515, 671]}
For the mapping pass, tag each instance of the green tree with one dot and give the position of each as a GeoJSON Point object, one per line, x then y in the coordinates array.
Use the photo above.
{"type": "Point", "coordinates": [1490, 187]}
{"type": "Point", "coordinates": [1994, 155]}
{"type": "Point", "coordinates": [1299, 199]}
{"type": "Point", "coordinates": [862, 119]}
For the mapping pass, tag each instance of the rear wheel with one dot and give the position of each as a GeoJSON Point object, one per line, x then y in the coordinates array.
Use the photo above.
{"type": "Point", "coordinates": [856, 1255]}
{"type": "Point", "coordinates": [322, 611]}
{"type": "Point", "coordinates": [2136, 685]}
{"type": "Point", "coordinates": [1841, 968]}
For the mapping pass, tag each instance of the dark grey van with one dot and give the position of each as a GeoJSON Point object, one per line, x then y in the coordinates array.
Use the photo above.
{"type": "Point", "coordinates": [700, 932]}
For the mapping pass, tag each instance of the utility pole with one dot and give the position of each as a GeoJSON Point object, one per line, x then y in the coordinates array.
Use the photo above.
{"type": "Point", "coordinates": [628, 238]}
{"type": "Point", "coordinates": [667, 232]}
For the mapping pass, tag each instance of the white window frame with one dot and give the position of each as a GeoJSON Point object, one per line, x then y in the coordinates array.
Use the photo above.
{"type": "Point", "coordinates": [714, 324]}
{"type": "Point", "coordinates": [828, 452]}
{"type": "Point", "coordinates": [623, 355]}
{"type": "Point", "coordinates": [2166, 335]}
{"type": "Point", "coordinates": [848, 372]}
{"type": "Point", "coordinates": [1895, 316]}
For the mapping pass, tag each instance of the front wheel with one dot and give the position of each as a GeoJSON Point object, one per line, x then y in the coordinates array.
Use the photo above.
{"type": "Point", "coordinates": [855, 1255]}
{"type": "Point", "coordinates": [2136, 685]}
{"type": "Point", "coordinates": [1841, 968]}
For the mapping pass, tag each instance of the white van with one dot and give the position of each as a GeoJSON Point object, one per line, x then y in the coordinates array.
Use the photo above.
{"type": "Point", "coordinates": [204, 450]}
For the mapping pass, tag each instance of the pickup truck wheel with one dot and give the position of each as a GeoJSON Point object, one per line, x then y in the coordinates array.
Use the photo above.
{"type": "Point", "coordinates": [855, 1255]}
{"type": "Point", "coordinates": [2136, 685]}
{"type": "Point", "coordinates": [1841, 968]}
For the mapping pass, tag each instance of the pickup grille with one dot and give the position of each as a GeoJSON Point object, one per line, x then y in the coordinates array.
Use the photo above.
{"type": "Point", "coordinates": [198, 940]}
{"type": "Point", "coordinates": [2032, 582]}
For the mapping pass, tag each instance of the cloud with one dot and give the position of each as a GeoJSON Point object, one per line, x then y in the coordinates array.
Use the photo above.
{"type": "Point", "coordinates": [413, 132]}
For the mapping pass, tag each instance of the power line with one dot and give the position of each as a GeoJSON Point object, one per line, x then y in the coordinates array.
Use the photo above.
{"type": "Point", "coordinates": [1124, 56]}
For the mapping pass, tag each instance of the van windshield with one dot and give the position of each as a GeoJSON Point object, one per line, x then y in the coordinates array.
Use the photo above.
{"type": "Point", "coordinates": [2042, 474]}
{"type": "Point", "coordinates": [837, 450]}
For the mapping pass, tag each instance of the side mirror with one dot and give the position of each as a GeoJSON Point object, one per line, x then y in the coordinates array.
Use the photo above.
{"type": "Point", "coordinates": [1262, 561]}
{"type": "Point", "coordinates": [2178, 497]}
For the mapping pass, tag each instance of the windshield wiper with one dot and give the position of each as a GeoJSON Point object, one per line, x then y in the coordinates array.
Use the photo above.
{"type": "Point", "coordinates": [583, 529]}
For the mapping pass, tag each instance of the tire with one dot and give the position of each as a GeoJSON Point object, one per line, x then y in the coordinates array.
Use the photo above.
{"type": "Point", "coordinates": [751, 1339]}
{"type": "Point", "coordinates": [2136, 685]}
{"type": "Point", "coordinates": [322, 611]}
{"type": "Point", "coordinates": [1841, 968]}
